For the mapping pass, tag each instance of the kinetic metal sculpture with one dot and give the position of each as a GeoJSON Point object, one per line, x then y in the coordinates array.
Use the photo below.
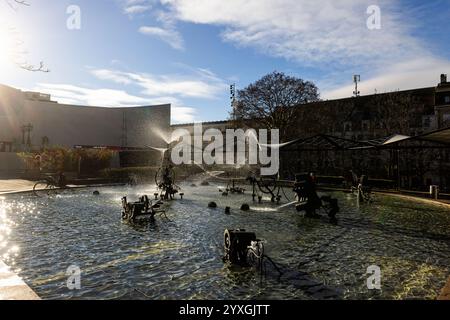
{"type": "Point", "coordinates": [165, 181]}
{"type": "Point", "coordinates": [268, 186]}
{"type": "Point", "coordinates": [236, 243]}
{"type": "Point", "coordinates": [242, 248]}
{"type": "Point", "coordinates": [305, 188]}
{"type": "Point", "coordinates": [360, 187]}
{"type": "Point", "coordinates": [144, 208]}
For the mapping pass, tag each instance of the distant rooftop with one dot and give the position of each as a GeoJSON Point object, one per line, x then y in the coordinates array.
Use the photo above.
{"type": "Point", "coordinates": [37, 96]}
{"type": "Point", "coordinates": [203, 123]}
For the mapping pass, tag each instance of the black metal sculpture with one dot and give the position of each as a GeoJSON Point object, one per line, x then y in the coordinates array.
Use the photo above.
{"type": "Point", "coordinates": [242, 248]}
{"type": "Point", "coordinates": [269, 185]}
{"type": "Point", "coordinates": [144, 208]}
{"type": "Point", "coordinates": [233, 188]}
{"type": "Point", "coordinates": [305, 188]}
{"type": "Point", "coordinates": [165, 181]}
{"type": "Point", "coordinates": [236, 243]}
{"type": "Point", "coordinates": [364, 190]}
{"type": "Point", "coordinates": [360, 187]}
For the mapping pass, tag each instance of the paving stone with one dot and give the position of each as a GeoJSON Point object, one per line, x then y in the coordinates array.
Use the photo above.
{"type": "Point", "coordinates": [12, 286]}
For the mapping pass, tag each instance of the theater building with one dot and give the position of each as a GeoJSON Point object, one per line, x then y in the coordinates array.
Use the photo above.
{"type": "Point", "coordinates": [30, 120]}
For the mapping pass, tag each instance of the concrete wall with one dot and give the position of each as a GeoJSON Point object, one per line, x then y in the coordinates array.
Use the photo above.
{"type": "Point", "coordinates": [69, 125]}
{"type": "Point", "coordinates": [11, 106]}
{"type": "Point", "coordinates": [10, 163]}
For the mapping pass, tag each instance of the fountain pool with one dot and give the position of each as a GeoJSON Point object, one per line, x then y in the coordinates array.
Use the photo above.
{"type": "Point", "coordinates": [181, 258]}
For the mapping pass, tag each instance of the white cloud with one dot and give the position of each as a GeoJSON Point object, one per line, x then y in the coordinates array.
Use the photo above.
{"type": "Point", "coordinates": [65, 93]}
{"type": "Point", "coordinates": [134, 7]}
{"type": "Point", "coordinates": [75, 95]}
{"type": "Point", "coordinates": [108, 75]}
{"type": "Point", "coordinates": [183, 114]}
{"type": "Point", "coordinates": [167, 32]}
{"type": "Point", "coordinates": [310, 32]}
{"type": "Point", "coordinates": [411, 74]}
{"type": "Point", "coordinates": [170, 36]}
{"type": "Point", "coordinates": [200, 85]}
{"type": "Point", "coordinates": [329, 35]}
{"type": "Point", "coordinates": [197, 83]}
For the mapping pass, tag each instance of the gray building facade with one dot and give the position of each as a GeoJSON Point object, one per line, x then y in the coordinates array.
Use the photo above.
{"type": "Point", "coordinates": [29, 120]}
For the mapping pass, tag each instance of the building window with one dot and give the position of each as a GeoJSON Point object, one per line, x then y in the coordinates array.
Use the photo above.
{"type": "Point", "coordinates": [447, 99]}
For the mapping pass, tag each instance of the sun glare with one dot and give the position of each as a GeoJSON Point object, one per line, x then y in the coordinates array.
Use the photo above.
{"type": "Point", "coordinates": [9, 46]}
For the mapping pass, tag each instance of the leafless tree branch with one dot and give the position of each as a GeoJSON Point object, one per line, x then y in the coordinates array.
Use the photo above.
{"type": "Point", "coordinates": [11, 3]}
{"type": "Point", "coordinates": [22, 2]}
{"type": "Point", "coordinates": [40, 68]}
{"type": "Point", "coordinates": [272, 101]}
{"type": "Point", "coordinates": [26, 66]}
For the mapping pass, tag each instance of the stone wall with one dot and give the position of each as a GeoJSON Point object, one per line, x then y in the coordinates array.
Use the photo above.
{"type": "Point", "coordinates": [72, 125]}
{"type": "Point", "coordinates": [10, 164]}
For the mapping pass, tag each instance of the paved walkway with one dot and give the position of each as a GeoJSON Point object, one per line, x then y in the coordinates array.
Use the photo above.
{"type": "Point", "coordinates": [15, 185]}
{"type": "Point", "coordinates": [12, 286]}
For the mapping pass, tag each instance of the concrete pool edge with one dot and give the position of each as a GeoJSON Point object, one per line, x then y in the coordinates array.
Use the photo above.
{"type": "Point", "coordinates": [12, 287]}
{"type": "Point", "coordinates": [418, 199]}
{"type": "Point", "coordinates": [18, 192]}
{"type": "Point", "coordinates": [439, 202]}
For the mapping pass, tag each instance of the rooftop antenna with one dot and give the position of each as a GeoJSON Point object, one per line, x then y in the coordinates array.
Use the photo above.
{"type": "Point", "coordinates": [356, 80]}
{"type": "Point", "coordinates": [233, 99]}
{"type": "Point", "coordinates": [233, 107]}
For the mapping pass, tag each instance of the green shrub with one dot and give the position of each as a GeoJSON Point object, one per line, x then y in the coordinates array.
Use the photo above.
{"type": "Point", "coordinates": [57, 159]}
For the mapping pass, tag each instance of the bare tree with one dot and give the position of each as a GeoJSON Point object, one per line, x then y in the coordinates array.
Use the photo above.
{"type": "Point", "coordinates": [272, 100]}
{"type": "Point", "coordinates": [395, 112]}
{"type": "Point", "coordinates": [24, 65]}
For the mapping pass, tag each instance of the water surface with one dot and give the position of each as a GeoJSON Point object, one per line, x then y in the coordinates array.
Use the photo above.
{"type": "Point", "coordinates": [181, 258]}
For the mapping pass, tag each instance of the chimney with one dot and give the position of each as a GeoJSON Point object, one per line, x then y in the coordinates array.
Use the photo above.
{"type": "Point", "coordinates": [443, 78]}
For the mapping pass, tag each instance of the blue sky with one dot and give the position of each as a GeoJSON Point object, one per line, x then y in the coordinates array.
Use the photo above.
{"type": "Point", "coordinates": [188, 52]}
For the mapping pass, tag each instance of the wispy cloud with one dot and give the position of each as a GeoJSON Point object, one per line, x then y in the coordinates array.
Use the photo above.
{"type": "Point", "coordinates": [329, 35]}
{"type": "Point", "coordinates": [310, 32]}
{"type": "Point", "coordinates": [167, 31]}
{"type": "Point", "coordinates": [136, 9]}
{"type": "Point", "coordinates": [183, 114]}
{"type": "Point", "coordinates": [202, 84]}
{"type": "Point", "coordinates": [197, 83]}
{"type": "Point", "coordinates": [65, 93]}
{"type": "Point", "coordinates": [170, 36]}
{"type": "Point", "coordinates": [76, 95]}
{"type": "Point", "coordinates": [133, 7]}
